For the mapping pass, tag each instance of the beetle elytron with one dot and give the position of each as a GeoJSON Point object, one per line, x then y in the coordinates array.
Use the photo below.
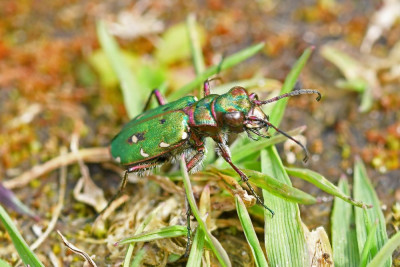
{"type": "Point", "coordinates": [180, 127]}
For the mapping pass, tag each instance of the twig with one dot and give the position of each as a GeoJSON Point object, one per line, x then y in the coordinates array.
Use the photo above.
{"type": "Point", "coordinates": [97, 154]}
{"type": "Point", "coordinates": [78, 251]}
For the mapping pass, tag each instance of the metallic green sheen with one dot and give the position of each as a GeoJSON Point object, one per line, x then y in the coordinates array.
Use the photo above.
{"type": "Point", "coordinates": [202, 112]}
{"type": "Point", "coordinates": [165, 124]}
{"type": "Point", "coordinates": [233, 102]}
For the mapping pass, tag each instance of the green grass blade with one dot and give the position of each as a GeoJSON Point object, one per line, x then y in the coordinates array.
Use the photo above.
{"type": "Point", "coordinates": [386, 251]}
{"type": "Point", "coordinates": [241, 150]}
{"type": "Point", "coordinates": [368, 245]}
{"type": "Point", "coordinates": [195, 46]}
{"type": "Point", "coordinates": [215, 246]}
{"type": "Point", "coordinates": [240, 153]}
{"type": "Point", "coordinates": [249, 232]}
{"type": "Point", "coordinates": [196, 252]}
{"type": "Point", "coordinates": [324, 184]}
{"type": "Point", "coordinates": [364, 191]}
{"type": "Point", "coordinates": [129, 85]}
{"type": "Point", "coordinates": [272, 185]}
{"type": "Point", "coordinates": [284, 235]}
{"type": "Point", "coordinates": [227, 63]}
{"type": "Point", "coordinates": [139, 230]}
{"type": "Point", "coordinates": [166, 232]}
{"type": "Point", "coordinates": [290, 81]}
{"type": "Point", "coordinates": [256, 81]}
{"type": "Point", "coordinates": [26, 254]}
{"type": "Point", "coordinates": [138, 257]}
{"type": "Point", "coordinates": [4, 263]}
{"type": "Point", "coordinates": [344, 236]}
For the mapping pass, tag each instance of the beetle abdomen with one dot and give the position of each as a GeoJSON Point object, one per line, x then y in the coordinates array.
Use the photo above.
{"type": "Point", "coordinates": [151, 138]}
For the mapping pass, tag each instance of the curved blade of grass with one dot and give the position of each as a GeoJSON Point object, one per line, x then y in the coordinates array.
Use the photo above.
{"type": "Point", "coordinates": [368, 245]}
{"type": "Point", "coordinates": [256, 81]}
{"type": "Point", "coordinates": [4, 263]}
{"type": "Point", "coordinates": [139, 230]}
{"type": "Point", "coordinates": [166, 232]}
{"type": "Point", "coordinates": [196, 252]}
{"type": "Point", "coordinates": [227, 63]}
{"type": "Point", "coordinates": [138, 257]}
{"type": "Point", "coordinates": [290, 81]}
{"type": "Point", "coordinates": [250, 234]}
{"type": "Point", "coordinates": [241, 152]}
{"type": "Point", "coordinates": [344, 236]}
{"type": "Point", "coordinates": [214, 244]}
{"type": "Point", "coordinates": [386, 251]}
{"type": "Point", "coordinates": [26, 254]}
{"type": "Point", "coordinates": [364, 191]}
{"type": "Point", "coordinates": [273, 186]}
{"type": "Point", "coordinates": [285, 241]}
{"type": "Point", "coordinates": [130, 87]}
{"type": "Point", "coordinates": [324, 184]}
{"type": "Point", "coordinates": [195, 46]}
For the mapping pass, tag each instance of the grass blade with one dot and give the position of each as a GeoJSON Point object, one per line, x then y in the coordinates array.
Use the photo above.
{"type": "Point", "coordinates": [344, 236]}
{"type": "Point", "coordinates": [227, 63]}
{"type": "Point", "coordinates": [272, 185]}
{"type": "Point", "coordinates": [216, 247]}
{"type": "Point", "coordinates": [195, 46]}
{"type": "Point", "coordinates": [386, 251]}
{"type": "Point", "coordinates": [243, 148]}
{"type": "Point", "coordinates": [26, 254]}
{"type": "Point", "coordinates": [197, 249]}
{"type": "Point", "coordinates": [284, 235]}
{"type": "Point", "coordinates": [138, 257]}
{"type": "Point", "coordinates": [4, 263]}
{"type": "Point", "coordinates": [250, 233]}
{"type": "Point", "coordinates": [166, 232]}
{"type": "Point", "coordinates": [364, 191]}
{"type": "Point", "coordinates": [129, 85]}
{"type": "Point", "coordinates": [324, 184]}
{"type": "Point", "coordinates": [290, 81]}
{"type": "Point", "coordinates": [368, 245]}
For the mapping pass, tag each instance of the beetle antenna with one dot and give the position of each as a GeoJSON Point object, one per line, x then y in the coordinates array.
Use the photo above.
{"type": "Point", "coordinates": [292, 93]}
{"type": "Point", "coordinates": [291, 138]}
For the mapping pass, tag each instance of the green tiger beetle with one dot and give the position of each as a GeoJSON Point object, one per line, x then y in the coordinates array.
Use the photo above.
{"type": "Point", "coordinates": [164, 133]}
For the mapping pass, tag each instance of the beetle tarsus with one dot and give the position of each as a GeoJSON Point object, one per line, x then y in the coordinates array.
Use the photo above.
{"type": "Point", "coordinates": [259, 201]}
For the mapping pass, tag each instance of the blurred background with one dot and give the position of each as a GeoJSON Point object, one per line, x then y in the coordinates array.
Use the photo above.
{"type": "Point", "coordinates": [57, 86]}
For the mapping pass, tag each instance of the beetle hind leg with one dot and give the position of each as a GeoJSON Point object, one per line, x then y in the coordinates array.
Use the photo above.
{"type": "Point", "coordinates": [160, 99]}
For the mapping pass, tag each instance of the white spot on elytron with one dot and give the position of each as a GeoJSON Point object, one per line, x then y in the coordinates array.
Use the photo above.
{"type": "Point", "coordinates": [118, 159]}
{"type": "Point", "coordinates": [184, 135]}
{"type": "Point", "coordinates": [134, 139]}
{"type": "Point", "coordinates": [145, 155]}
{"type": "Point", "coordinates": [162, 144]}
{"type": "Point", "coordinates": [196, 99]}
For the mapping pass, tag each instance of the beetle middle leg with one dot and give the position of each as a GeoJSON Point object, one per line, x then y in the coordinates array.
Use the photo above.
{"type": "Point", "coordinates": [115, 196]}
{"type": "Point", "coordinates": [160, 99]}
{"type": "Point", "coordinates": [123, 184]}
{"type": "Point", "coordinates": [225, 153]}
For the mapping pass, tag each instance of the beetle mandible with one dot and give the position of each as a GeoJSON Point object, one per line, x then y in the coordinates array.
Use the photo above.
{"type": "Point", "coordinates": [158, 135]}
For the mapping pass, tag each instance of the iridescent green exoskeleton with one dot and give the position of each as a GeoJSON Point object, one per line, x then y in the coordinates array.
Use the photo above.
{"type": "Point", "coordinates": [181, 127]}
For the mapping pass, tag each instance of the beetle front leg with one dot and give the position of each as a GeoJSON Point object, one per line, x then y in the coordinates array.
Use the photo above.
{"type": "Point", "coordinates": [225, 153]}
{"type": "Point", "coordinates": [160, 99]}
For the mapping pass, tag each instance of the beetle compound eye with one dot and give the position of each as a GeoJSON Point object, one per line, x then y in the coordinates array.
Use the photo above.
{"type": "Point", "coordinates": [234, 119]}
